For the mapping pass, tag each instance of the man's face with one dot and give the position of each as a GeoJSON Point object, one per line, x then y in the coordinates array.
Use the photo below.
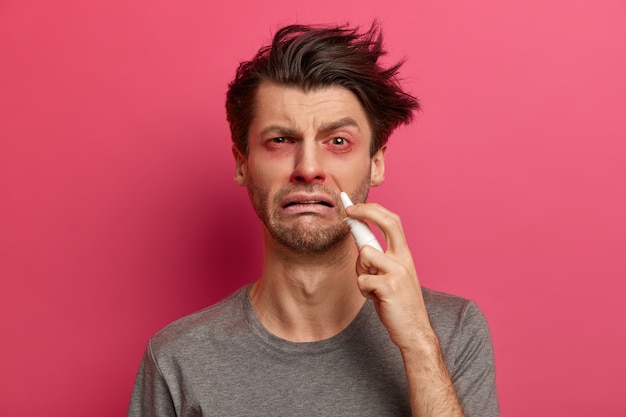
{"type": "Point", "coordinates": [304, 148]}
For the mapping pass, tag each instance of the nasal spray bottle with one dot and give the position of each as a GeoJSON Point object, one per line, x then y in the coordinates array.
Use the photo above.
{"type": "Point", "coordinates": [362, 234]}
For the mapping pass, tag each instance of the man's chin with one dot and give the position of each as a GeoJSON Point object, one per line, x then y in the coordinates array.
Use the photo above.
{"type": "Point", "coordinates": [310, 237]}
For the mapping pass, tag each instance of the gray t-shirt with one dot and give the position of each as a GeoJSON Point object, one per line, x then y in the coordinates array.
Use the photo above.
{"type": "Point", "coordinates": [221, 361]}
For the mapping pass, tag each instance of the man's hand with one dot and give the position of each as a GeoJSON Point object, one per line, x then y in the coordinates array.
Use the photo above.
{"type": "Point", "coordinates": [390, 280]}
{"type": "Point", "coordinates": [394, 287]}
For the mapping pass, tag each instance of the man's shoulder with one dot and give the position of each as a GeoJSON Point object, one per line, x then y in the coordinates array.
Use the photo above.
{"type": "Point", "coordinates": [443, 303]}
{"type": "Point", "coordinates": [449, 313]}
{"type": "Point", "coordinates": [207, 322]}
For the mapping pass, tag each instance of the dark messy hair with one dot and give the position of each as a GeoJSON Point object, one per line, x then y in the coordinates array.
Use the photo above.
{"type": "Point", "coordinates": [312, 57]}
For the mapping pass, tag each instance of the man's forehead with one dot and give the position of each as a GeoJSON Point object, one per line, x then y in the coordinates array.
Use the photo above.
{"type": "Point", "coordinates": [330, 107]}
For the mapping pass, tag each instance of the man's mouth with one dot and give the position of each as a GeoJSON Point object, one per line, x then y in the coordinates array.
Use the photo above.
{"type": "Point", "coordinates": [307, 203]}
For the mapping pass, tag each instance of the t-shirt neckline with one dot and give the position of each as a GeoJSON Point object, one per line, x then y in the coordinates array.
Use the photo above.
{"type": "Point", "coordinates": [288, 347]}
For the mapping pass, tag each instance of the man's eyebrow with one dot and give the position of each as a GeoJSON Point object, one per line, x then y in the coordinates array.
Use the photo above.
{"type": "Point", "coordinates": [340, 124]}
{"type": "Point", "coordinates": [277, 130]}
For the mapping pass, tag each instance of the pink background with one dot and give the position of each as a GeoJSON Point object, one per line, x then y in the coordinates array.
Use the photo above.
{"type": "Point", "coordinates": [118, 212]}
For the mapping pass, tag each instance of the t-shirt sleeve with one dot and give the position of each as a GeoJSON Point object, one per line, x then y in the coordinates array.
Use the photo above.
{"type": "Point", "coordinates": [151, 396]}
{"type": "Point", "coordinates": [473, 371]}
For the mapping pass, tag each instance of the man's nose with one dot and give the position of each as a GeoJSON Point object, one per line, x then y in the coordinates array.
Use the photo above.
{"type": "Point", "coordinates": [308, 167]}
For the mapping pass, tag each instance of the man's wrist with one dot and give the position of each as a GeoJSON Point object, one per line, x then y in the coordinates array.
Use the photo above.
{"type": "Point", "coordinates": [423, 343]}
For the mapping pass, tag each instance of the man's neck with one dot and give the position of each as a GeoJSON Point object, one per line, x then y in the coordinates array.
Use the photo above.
{"type": "Point", "coordinates": [307, 297]}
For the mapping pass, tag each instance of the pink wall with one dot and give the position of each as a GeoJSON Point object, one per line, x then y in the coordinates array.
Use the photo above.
{"type": "Point", "coordinates": [118, 213]}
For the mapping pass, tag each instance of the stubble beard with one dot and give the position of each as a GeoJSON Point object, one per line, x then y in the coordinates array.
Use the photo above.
{"type": "Point", "coordinates": [305, 234]}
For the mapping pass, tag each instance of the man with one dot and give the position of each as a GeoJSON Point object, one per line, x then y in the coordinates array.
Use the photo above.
{"type": "Point", "coordinates": [326, 329]}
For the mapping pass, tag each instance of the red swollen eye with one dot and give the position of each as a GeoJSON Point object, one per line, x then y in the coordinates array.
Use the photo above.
{"type": "Point", "coordinates": [338, 141]}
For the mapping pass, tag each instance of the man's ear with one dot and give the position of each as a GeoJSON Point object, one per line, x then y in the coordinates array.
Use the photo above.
{"type": "Point", "coordinates": [377, 167]}
{"type": "Point", "coordinates": [241, 166]}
